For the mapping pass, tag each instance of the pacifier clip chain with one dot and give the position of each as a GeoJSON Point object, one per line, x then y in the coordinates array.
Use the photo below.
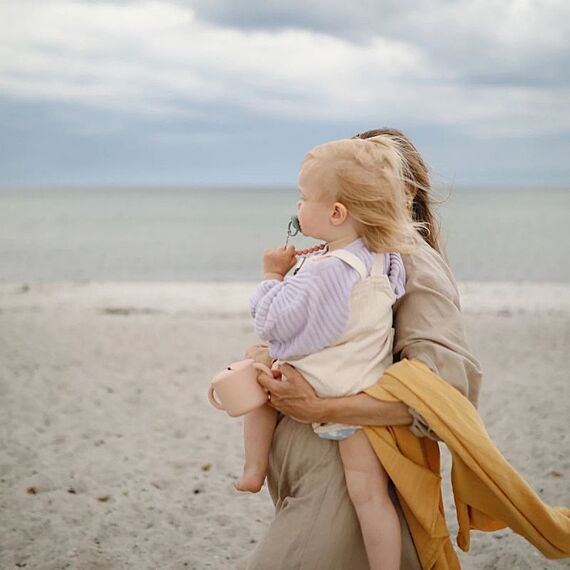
{"type": "Point", "coordinates": [292, 230]}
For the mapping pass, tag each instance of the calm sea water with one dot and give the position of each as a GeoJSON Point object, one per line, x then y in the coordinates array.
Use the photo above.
{"type": "Point", "coordinates": [103, 234]}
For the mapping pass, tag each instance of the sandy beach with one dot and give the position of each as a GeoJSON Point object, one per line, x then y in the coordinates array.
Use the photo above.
{"type": "Point", "coordinates": [112, 458]}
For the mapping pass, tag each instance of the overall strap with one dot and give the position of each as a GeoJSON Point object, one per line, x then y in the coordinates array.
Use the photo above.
{"type": "Point", "coordinates": [380, 265]}
{"type": "Point", "coordinates": [350, 259]}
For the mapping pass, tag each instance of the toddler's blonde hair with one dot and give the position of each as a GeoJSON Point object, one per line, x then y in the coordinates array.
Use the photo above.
{"type": "Point", "coordinates": [419, 185]}
{"type": "Point", "coordinates": [371, 183]}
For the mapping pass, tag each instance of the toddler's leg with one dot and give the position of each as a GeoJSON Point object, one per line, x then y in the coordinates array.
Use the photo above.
{"type": "Point", "coordinates": [367, 484]}
{"type": "Point", "coordinates": [257, 435]}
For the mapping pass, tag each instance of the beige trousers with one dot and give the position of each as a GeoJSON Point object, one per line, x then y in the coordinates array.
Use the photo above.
{"type": "Point", "coordinates": [315, 525]}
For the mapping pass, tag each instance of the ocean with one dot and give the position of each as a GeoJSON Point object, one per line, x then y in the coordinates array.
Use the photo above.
{"type": "Point", "coordinates": [219, 234]}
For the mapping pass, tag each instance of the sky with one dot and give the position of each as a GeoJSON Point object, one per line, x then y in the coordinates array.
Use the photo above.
{"type": "Point", "coordinates": [221, 92]}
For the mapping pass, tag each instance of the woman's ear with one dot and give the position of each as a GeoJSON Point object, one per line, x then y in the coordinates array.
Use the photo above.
{"type": "Point", "coordinates": [339, 213]}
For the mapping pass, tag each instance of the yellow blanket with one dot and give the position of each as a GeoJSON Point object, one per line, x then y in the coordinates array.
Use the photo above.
{"type": "Point", "coordinates": [489, 494]}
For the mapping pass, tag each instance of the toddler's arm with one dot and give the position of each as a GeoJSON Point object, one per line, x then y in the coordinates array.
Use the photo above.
{"type": "Point", "coordinates": [306, 312]}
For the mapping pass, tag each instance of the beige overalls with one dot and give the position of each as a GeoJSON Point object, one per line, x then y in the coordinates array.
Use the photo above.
{"type": "Point", "coordinates": [358, 357]}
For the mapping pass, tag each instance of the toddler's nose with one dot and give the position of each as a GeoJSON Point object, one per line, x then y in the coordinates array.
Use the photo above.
{"type": "Point", "coordinates": [299, 204]}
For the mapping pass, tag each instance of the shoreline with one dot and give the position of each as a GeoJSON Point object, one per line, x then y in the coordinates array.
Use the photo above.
{"type": "Point", "coordinates": [476, 297]}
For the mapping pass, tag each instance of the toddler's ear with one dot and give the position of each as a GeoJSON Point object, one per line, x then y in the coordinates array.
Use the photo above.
{"type": "Point", "coordinates": [339, 213]}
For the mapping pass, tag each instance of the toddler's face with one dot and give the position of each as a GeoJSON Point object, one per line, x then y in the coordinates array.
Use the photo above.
{"type": "Point", "coordinates": [316, 203]}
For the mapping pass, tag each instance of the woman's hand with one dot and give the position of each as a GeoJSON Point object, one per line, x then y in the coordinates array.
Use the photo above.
{"type": "Point", "coordinates": [295, 397]}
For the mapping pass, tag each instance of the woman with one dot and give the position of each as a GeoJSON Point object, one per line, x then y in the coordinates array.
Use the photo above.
{"type": "Point", "coordinates": [315, 526]}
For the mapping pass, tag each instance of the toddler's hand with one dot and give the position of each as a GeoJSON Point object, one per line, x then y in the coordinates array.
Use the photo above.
{"type": "Point", "coordinates": [261, 354]}
{"type": "Point", "coordinates": [279, 261]}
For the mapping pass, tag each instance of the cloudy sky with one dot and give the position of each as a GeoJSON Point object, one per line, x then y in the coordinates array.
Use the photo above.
{"type": "Point", "coordinates": [235, 92]}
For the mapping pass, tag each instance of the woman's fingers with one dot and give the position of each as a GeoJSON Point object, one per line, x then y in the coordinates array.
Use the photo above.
{"type": "Point", "coordinates": [270, 383]}
{"type": "Point", "coordinates": [291, 373]}
{"type": "Point", "coordinates": [295, 398]}
{"type": "Point", "coordinates": [296, 386]}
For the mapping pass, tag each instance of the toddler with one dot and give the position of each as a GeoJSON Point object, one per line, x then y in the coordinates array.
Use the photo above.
{"type": "Point", "coordinates": [333, 319]}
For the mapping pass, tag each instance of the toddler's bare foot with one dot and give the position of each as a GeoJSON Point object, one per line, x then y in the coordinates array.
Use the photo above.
{"type": "Point", "coordinates": [251, 480]}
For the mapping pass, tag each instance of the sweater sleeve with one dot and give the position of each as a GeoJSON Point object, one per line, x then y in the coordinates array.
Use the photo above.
{"type": "Point", "coordinates": [304, 313]}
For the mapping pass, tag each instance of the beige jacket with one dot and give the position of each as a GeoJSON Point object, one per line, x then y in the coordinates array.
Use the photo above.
{"type": "Point", "coordinates": [429, 324]}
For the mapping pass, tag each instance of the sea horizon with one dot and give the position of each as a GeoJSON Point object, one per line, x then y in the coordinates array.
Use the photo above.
{"type": "Point", "coordinates": [215, 233]}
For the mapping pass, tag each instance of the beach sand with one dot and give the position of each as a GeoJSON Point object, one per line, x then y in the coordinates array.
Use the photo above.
{"type": "Point", "coordinates": [112, 458]}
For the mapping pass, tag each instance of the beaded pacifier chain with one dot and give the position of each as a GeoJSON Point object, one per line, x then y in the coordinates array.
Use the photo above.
{"type": "Point", "coordinates": [292, 230]}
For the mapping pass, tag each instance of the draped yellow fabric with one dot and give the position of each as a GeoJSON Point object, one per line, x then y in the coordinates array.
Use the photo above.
{"type": "Point", "coordinates": [489, 494]}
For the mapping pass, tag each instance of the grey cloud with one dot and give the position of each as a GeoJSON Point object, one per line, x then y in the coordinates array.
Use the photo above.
{"type": "Point", "coordinates": [468, 40]}
{"type": "Point", "coordinates": [350, 20]}
{"type": "Point", "coordinates": [484, 71]}
{"type": "Point", "coordinates": [454, 64]}
{"type": "Point", "coordinates": [358, 20]}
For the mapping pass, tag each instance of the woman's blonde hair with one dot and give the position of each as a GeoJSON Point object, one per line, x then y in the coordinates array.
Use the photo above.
{"type": "Point", "coordinates": [418, 182]}
{"type": "Point", "coordinates": [371, 183]}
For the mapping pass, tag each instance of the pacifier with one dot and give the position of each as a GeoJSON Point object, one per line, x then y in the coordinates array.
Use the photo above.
{"type": "Point", "coordinates": [293, 228]}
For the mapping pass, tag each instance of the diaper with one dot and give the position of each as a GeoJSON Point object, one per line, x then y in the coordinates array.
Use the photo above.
{"type": "Point", "coordinates": [334, 431]}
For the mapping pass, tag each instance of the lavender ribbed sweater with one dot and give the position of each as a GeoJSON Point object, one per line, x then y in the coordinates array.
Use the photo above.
{"type": "Point", "coordinates": [306, 312]}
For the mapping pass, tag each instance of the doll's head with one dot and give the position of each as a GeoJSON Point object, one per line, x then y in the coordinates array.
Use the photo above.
{"type": "Point", "coordinates": [354, 187]}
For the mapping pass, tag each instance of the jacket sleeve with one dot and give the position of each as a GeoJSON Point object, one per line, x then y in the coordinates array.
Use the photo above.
{"type": "Point", "coordinates": [429, 325]}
